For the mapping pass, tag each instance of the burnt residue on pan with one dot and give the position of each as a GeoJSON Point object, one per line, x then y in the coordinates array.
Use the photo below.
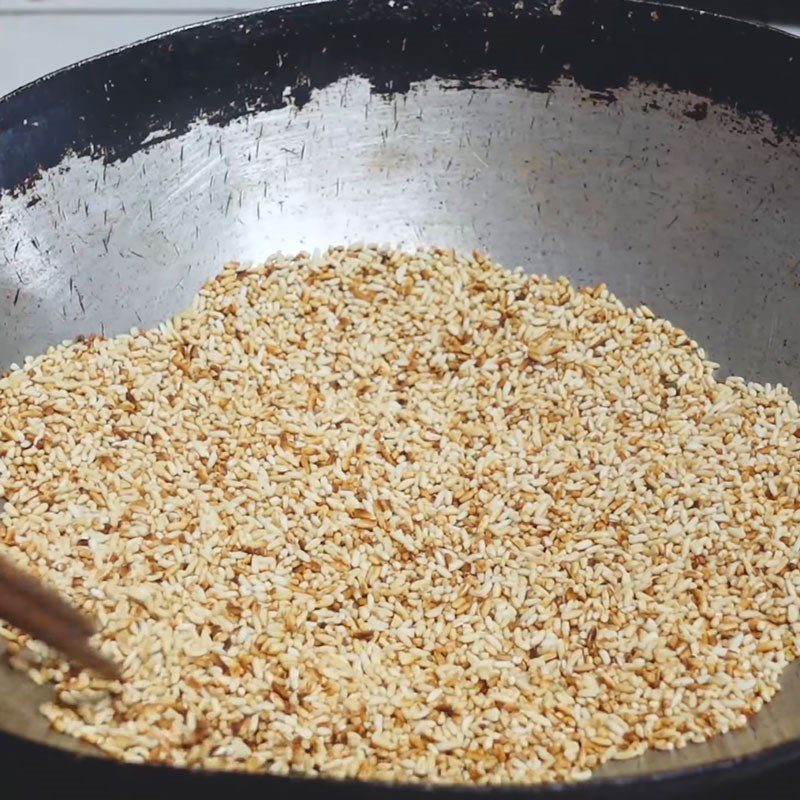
{"type": "Point", "coordinates": [159, 87]}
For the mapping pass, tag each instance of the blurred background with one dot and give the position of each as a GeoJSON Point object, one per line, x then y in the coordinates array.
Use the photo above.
{"type": "Point", "coordinates": [38, 36]}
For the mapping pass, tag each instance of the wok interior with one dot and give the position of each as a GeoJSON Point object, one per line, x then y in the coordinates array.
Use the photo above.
{"type": "Point", "coordinates": [670, 199]}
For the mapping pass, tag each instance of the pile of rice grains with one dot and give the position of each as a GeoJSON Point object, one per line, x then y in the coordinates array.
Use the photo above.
{"type": "Point", "coordinates": [408, 517]}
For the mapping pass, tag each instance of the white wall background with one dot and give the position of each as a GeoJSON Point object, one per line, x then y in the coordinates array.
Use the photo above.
{"type": "Point", "coordinates": [39, 36]}
{"type": "Point", "coordinates": [136, 6]}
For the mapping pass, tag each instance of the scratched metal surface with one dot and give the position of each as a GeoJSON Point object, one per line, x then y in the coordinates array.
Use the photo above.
{"type": "Point", "coordinates": [695, 226]}
{"type": "Point", "coordinates": [632, 192]}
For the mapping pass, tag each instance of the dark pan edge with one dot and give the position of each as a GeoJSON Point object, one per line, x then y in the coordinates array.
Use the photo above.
{"type": "Point", "coordinates": [41, 768]}
{"type": "Point", "coordinates": [118, 101]}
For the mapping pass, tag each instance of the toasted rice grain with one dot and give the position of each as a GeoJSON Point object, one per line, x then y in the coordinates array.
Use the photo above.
{"type": "Point", "coordinates": [405, 516]}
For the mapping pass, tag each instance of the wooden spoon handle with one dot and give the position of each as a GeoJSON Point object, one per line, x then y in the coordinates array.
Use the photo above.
{"type": "Point", "coordinates": [41, 612]}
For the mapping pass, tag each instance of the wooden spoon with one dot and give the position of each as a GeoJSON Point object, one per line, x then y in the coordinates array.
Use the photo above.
{"type": "Point", "coordinates": [41, 612]}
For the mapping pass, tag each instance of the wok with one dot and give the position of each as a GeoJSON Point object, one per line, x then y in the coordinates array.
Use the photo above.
{"type": "Point", "coordinates": [646, 146]}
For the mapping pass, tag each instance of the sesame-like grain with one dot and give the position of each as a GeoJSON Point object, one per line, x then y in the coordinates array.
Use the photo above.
{"type": "Point", "coordinates": [405, 516]}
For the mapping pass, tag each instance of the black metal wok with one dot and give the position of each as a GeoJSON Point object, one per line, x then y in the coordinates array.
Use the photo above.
{"type": "Point", "coordinates": [646, 146]}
